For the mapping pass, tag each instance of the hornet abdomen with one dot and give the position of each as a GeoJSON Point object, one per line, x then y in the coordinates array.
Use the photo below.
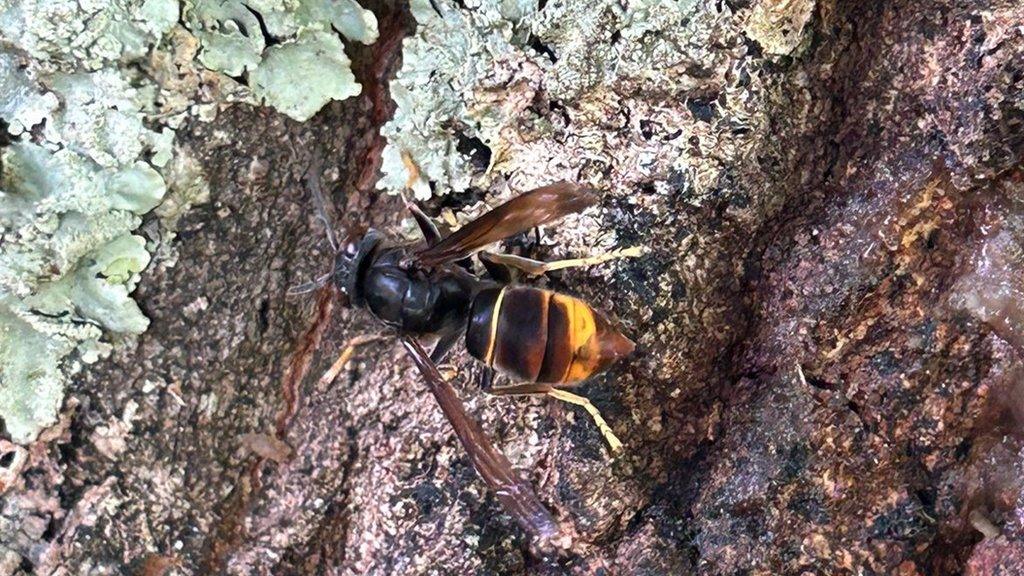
{"type": "Point", "coordinates": [542, 336]}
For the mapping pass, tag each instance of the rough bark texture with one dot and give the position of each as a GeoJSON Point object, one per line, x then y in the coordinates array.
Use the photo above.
{"type": "Point", "coordinates": [827, 379]}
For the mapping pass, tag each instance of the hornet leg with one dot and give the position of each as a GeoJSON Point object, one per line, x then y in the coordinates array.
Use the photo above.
{"type": "Point", "coordinates": [444, 345]}
{"type": "Point", "coordinates": [487, 379]}
{"type": "Point", "coordinates": [498, 271]}
{"type": "Point", "coordinates": [425, 224]}
{"type": "Point", "coordinates": [532, 389]}
{"type": "Point", "coordinates": [536, 267]}
{"type": "Point", "coordinates": [346, 354]}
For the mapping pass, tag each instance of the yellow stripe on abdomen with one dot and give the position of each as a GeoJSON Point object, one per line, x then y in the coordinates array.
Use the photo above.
{"type": "Point", "coordinates": [495, 314]}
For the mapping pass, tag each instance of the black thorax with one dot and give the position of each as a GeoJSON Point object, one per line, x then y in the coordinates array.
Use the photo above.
{"type": "Point", "coordinates": [414, 299]}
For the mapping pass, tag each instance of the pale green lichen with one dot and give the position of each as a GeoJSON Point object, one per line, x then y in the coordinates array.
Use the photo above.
{"type": "Point", "coordinates": [22, 105]}
{"type": "Point", "coordinates": [85, 168]}
{"type": "Point", "coordinates": [67, 265]}
{"type": "Point", "coordinates": [57, 206]}
{"type": "Point", "coordinates": [88, 34]}
{"type": "Point", "coordinates": [98, 289]}
{"type": "Point", "coordinates": [311, 55]}
{"type": "Point", "coordinates": [91, 92]}
{"type": "Point", "coordinates": [30, 360]}
{"type": "Point", "coordinates": [289, 49]}
{"type": "Point", "coordinates": [63, 324]}
{"type": "Point", "coordinates": [101, 118]}
{"type": "Point", "coordinates": [476, 70]}
{"type": "Point", "coordinates": [454, 55]}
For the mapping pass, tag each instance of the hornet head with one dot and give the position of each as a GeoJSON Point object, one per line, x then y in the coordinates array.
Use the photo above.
{"type": "Point", "coordinates": [351, 262]}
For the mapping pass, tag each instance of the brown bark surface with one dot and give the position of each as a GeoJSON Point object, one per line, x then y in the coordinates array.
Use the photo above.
{"type": "Point", "coordinates": [834, 388]}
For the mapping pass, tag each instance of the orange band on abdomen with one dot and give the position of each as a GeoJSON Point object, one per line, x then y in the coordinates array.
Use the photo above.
{"type": "Point", "coordinates": [581, 335]}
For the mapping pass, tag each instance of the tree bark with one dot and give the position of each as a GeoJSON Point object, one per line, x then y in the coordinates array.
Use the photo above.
{"type": "Point", "coordinates": [827, 377]}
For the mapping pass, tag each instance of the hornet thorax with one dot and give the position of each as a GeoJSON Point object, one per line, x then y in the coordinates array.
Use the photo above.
{"type": "Point", "coordinates": [387, 281]}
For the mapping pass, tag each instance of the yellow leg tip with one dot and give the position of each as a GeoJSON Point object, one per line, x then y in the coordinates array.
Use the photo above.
{"type": "Point", "coordinates": [631, 252]}
{"type": "Point", "coordinates": [614, 445]}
